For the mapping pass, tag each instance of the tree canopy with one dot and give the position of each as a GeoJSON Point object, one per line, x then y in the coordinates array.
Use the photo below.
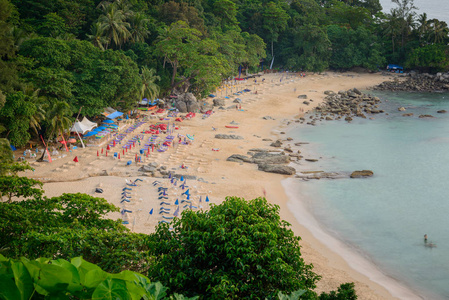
{"type": "Point", "coordinates": [237, 249]}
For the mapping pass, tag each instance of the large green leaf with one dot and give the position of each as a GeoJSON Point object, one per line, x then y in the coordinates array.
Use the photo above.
{"type": "Point", "coordinates": [94, 277]}
{"type": "Point", "coordinates": [8, 290]}
{"type": "Point", "coordinates": [157, 290]}
{"type": "Point", "coordinates": [111, 289]}
{"type": "Point", "coordinates": [83, 267]}
{"type": "Point", "coordinates": [54, 278]}
{"type": "Point", "coordinates": [133, 283]}
{"type": "Point", "coordinates": [23, 280]}
{"type": "Point", "coordinates": [75, 284]}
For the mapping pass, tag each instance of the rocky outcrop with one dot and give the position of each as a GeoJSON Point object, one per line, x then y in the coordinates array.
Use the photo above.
{"type": "Point", "coordinates": [345, 104]}
{"type": "Point", "coordinates": [186, 102]}
{"type": "Point", "coordinates": [266, 161]}
{"type": "Point", "coordinates": [321, 175]}
{"type": "Point", "coordinates": [276, 144]}
{"type": "Point", "coordinates": [219, 102]}
{"type": "Point", "coordinates": [302, 97]}
{"type": "Point", "coordinates": [426, 116]}
{"type": "Point", "coordinates": [415, 82]}
{"type": "Point", "coordinates": [279, 169]}
{"type": "Point", "coordinates": [362, 174]}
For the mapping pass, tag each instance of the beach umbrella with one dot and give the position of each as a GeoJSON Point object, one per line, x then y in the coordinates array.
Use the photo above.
{"type": "Point", "coordinates": [76, 159]}
{"type": "Point", "coordinates": [108, 148]}
{"type": "Point", "coordinates": [89, 134]}
{"type": "Point", "coordinates": [151, 211]}
{"type": "Point", "coordinates": [207, 199]}
{"type": "Point", "coordinates": [100, 128]}
{"type": "Point", "coordinates": [190, 137]}
{"type": "Point", "coordinates": [108, 121]}
{"type": "Point", "coordinates": [71, 140]}
{"type": "Point", "coordinates": [176, 202]}
{"type": "Point", "coordinates": [63, 142]}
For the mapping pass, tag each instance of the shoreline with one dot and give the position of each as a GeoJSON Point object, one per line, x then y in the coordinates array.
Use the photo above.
{"type": "Point", "coordinates": [222, 178]}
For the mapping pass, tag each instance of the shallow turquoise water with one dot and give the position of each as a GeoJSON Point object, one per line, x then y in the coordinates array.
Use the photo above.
{"type": "Point", "coordinates": [385, 217]}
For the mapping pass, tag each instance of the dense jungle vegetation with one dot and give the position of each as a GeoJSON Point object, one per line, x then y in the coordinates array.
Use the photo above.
{"type": "Point", "coordinates": [59, 56]}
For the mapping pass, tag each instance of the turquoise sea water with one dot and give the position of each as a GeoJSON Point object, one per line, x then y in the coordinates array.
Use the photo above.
{"type": "Point", "coordinates": [384, 218]}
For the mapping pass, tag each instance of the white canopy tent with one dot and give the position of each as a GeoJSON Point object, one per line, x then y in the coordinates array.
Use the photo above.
{"type": "Point", "coordinates": [83, 126]}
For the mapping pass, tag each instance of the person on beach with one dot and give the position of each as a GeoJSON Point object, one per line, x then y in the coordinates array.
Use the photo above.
{"type": "Point", "coordinates": [425, 239]}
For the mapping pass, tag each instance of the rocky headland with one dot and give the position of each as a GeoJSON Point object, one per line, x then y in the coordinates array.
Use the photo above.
{"type": "Point", "coordinates": [416, 82]}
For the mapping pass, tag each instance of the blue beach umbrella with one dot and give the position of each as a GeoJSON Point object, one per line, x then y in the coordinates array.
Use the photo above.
{"type": "Point", "coordinates": [108, 121]}
{"type": "Point", "coordinates": [101, 128]}
{"type": "Point", "coordinates": [207, 199]}
{"type": "Point", "coordinates": [151, 211]}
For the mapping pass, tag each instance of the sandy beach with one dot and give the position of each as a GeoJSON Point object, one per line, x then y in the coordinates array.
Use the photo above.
{"type": "Point", "coordinates": [217, 178]}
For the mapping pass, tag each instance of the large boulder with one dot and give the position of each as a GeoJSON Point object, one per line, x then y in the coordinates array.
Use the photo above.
{"type": "Point", "coordinates": [187, 102]}
{"type": "Point", "coordinates": [219, 102]}
{"type": "Point", "coordinates": [147, 169]}
{"type": "Point", "coordinates": [276, 144]}
{"type": "Point", "coordinates": [276, 159]}
{"type": "Point", "coordinates": [193, 107]}
{"type": "Point", "coordinates": [361, 174]}
{"type": "Point", "coordinates": [279, 169]}
{"type": "Point", "coordinates": [239, 158]}
{"type": "Point", "coordinates": [181, 106]}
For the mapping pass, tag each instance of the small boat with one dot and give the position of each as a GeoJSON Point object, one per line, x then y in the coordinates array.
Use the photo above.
{"type": "Point", "coordinates": [231, 126]}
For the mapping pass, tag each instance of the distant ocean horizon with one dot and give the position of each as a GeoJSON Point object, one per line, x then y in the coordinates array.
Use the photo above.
{"type": "Point", "coordinates": [438, 9]}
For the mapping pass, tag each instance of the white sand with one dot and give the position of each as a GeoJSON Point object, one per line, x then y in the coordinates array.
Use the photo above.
{"type": "Point", "coordinates": [222, 178]}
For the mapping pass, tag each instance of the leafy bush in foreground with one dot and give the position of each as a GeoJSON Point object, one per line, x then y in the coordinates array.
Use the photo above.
{"type": "Point", "coordinates": [78, 279]}
{"type": "Point", "coordinates": [236, 250]}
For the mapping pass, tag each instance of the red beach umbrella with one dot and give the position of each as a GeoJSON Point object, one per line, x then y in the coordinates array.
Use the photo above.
{"type": "Point", "coordinates": [76, 159]}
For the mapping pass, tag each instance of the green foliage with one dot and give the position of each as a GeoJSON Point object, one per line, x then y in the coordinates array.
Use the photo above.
{"type": "Point", "coordinates": [6, 157]}
{"type": "Point", "coordinates": [15, 186]}
{"type": "Point", "coordinates": [354, 48]}
{"type": "Point", "coordinates": [237, 250]}
{"type": "Point", "coordinates": [198, 58]}
{"type": "Point", "coordinates": [15, 117]}
{"type": "Point", "coordinates": [432, 58]}
{"type": "Point", "coordinates": [345, 292]}
{"type": "Point", "coordinates": [71, 225]}
{"type": "Point", "coordinates": [77, 279]}
{"type": "Point", "coordinates": [81, 75]}
{"type": "Point", "coordinates": [308, 49]}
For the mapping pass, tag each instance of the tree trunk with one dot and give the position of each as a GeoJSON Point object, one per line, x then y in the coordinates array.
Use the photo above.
{"type": "Point", "coordinates": [175, 69]}
{"type": "Point", "coordinates": [272, 52]}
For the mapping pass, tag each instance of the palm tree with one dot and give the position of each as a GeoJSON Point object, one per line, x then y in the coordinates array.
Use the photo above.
{"type": "Point", "coordinates": [438, 31]}
{"type": "Point", "coordinates": [423, 26]}
{"type": "Point", "coordinates": [39, 115]}
{"type": "Point", "coordinates": [97, 37]}
{"type": "Point", "coordinates": [392, 28]}
{"type": "Point", "coordinates": [149, 88]}
{"type": "Point", "coordinates": [58, 117]}
{"type": "Point", "coordinates": [139, 28]}
{"type": "Point", "coordinates": [113, 24]}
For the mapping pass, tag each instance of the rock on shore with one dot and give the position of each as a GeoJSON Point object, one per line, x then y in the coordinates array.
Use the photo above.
{"type": "Point", "coordinates": [266, 161]}
{"type": "Point", "coordinates": [415, 82]}
{"type": "Point", "coordinates": [362, 174]}
{"type": "Point", "coordinates": [346, 104]}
